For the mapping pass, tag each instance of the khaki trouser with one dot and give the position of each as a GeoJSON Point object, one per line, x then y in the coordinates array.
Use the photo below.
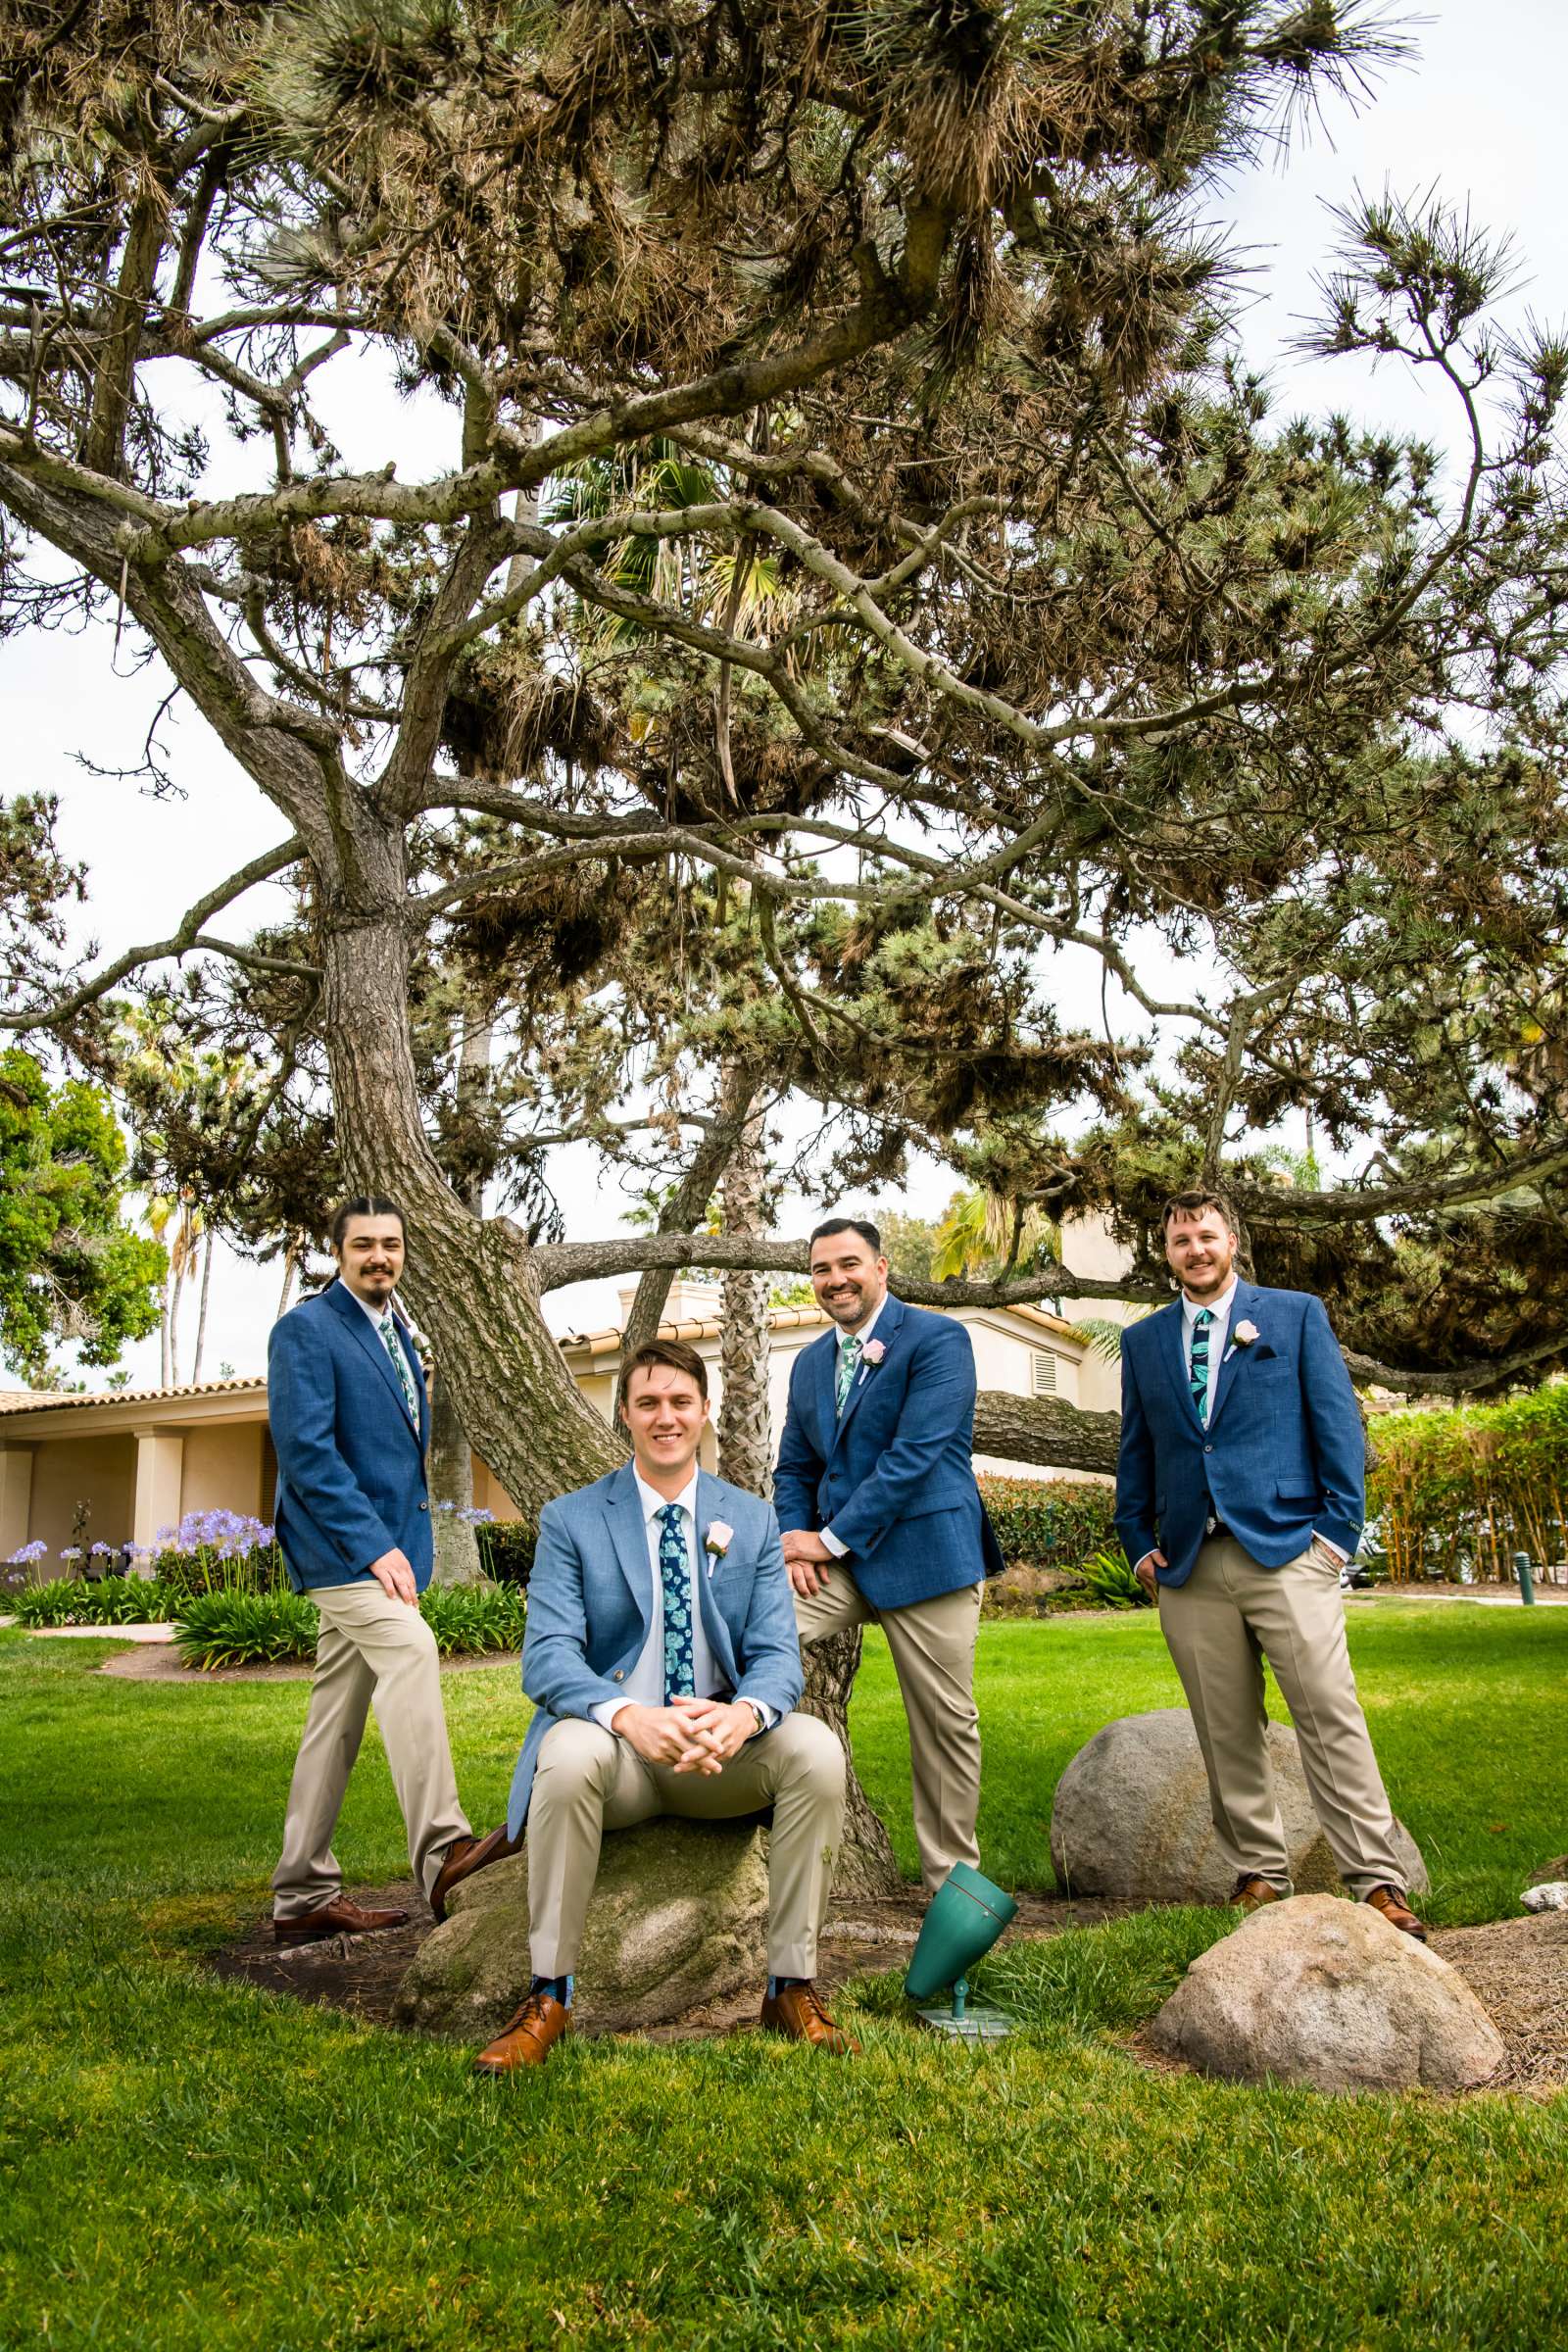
{"type": "Point", "coordinates": [933, 1656]}
{"type": "Point", "coordinates": [588, 1781]}
{"type": "Point", "coordinates": [369, 1645]}
{"type": "Point", "coordinates": [1229, 1616]}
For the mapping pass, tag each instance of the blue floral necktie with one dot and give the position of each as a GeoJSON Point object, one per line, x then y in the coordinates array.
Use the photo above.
{"type": "Point", "coordinates": [675, 1574]}
{"type": "Point", "coordinates": [1197, 1375]}
{"type": "Point", "coordinates": [400, 1364]}
{"type": "Point", "coordinates": [849, 1357]}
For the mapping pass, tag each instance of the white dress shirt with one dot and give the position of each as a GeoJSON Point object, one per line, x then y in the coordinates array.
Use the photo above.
{"type": "Point", "coordinates": [837, 1549]}
{"type": "Point", "coordinates": [645, 1683]}
{"type": "Point", "coordinates": [376, 1314]}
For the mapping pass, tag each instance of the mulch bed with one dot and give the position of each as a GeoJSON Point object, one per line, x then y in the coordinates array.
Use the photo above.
{"type": "Point", "coordinates": [360, 1975]}
{"type": "Point", "coordinates": [161, 1662]}
{"type": "Point", "coordinates": [1518, 1968]}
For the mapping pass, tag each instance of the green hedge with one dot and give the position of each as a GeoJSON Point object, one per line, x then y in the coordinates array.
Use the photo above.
{"type": "Point", "coordinates": [1050, 1522]}
{"type": "Point", "coordinates": [1456, 1493]}
{"type": "Point", "coordinates": [114, 1601]}
{"type": "Point", "coordinates": [270, 1628]}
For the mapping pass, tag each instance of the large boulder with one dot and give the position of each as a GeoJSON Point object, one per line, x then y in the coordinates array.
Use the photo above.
{"type": "Point", "coordinates": [1131, 1817]}
{"type": "Point", "coordinates": [1325, 1992]}
{"type": "Point", "coordinates": [678, 1919]}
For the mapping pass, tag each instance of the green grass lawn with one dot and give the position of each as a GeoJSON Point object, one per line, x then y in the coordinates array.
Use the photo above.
{"type": "Point", "coordinates": [185, 2163]}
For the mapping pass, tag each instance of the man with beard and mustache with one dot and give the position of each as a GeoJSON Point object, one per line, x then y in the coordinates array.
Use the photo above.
{"type": "Point", "coordinates": [1241, 1493]}
{"type": "Point", "coordinates": [351, 1422]}
{"type": "Point", "coordinates": [882, 1519]}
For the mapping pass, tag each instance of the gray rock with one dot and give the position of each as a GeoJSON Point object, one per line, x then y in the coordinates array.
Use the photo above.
{"type": "Point", "coordinates": [1325, 1992]}
{"type": "Point", "coordinates": [1131, 1817]}
{"type": "Point", "coordinates": [679, 1918]}
{"type": "Point", "coordinates": [1551, 1895]}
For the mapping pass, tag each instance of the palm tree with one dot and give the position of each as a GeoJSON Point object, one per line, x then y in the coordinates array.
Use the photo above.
{"type": "Point", "coordinates": [986, 1232]}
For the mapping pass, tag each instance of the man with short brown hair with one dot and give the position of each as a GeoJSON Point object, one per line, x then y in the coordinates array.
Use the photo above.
{"type": "Point", "coordinates": [661, 1657]}
{"type": "Point", "coordinates": [1240, 1495]}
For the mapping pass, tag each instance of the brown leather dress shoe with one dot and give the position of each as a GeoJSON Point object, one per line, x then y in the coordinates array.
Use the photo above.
{"type": "Point", "coordinates": [465, 1855]}
{"type": "Point", "coordinates": [1389, 1901]}
{"type": "Point", "coordinates": [342, 1916]}
{"type": "Point", "coordinates": [797, 2013]}
{"type": "Point", "coordinates": [1251, 1893]}
{"type": "Point", "coordinates": [529, 2037]}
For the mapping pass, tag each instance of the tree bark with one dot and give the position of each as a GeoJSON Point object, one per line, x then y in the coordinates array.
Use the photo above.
{"type": "Point", "coordinates": [1044, 1430]}
{"type": "Point", "coordinates": [866, 1864]}
{"type": "Point", "coordinates": [456, 1546]}
{"type": "Point", "coordinates": [201, 1312]}
{"type": "Point", "coordinates": [745, 1431]}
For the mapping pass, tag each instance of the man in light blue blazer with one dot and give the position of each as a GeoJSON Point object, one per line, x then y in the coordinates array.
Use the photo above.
{"type": "Point", "coordinates": [662, 1658]}
{"type": "Point", "coordinates": [883, 1523]}
{"type": "Point", "coordinates": [351, 1421]}
{"type": "Point", "coordinates": [1240, 1495]}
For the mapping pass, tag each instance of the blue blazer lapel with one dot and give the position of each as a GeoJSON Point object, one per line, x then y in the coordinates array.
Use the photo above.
{"type": "Point", "coordinates": [623, 1517]}
{"type": "Point", "coordinates": [887, 1329]}
{"type": "Point", "coordinates": [359, 1325]}
{"type": "Point", "coordinates": [1244, 1307]}
{"type": "Point", "coordinates": [824, 1364]}
{"type": "Point", "coordinates": [720, 1640]}
{"type": "Point", "coordinates": [1170, 1339]}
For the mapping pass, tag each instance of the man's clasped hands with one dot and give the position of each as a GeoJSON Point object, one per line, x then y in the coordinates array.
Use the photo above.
{"type": "Point", "coordinates": [690, 1734]}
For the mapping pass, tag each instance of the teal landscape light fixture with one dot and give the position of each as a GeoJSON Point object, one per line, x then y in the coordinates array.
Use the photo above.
{"type": "Point", "coordinates": [963, 1920]}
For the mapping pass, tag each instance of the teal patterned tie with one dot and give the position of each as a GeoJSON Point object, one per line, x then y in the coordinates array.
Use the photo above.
{"type": "Point", "coordinates": [1197, 1375]}
{"type": "Point", "coordinates": [849, 1358]}
{"type": "Point", "coordinates": [400, 1364]}
{"type": "Point", "coordinates": [675, 1574]}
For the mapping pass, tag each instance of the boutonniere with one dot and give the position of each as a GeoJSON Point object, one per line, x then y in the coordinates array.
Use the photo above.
{"type": "Point", "coordinates": [1244, 1333]}
{"type": "Point", "coordinates": [871, 1355]}
{"type": "Point", "coordinates": [716, 1542]}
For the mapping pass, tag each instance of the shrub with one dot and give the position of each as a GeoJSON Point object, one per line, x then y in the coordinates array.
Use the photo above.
{"type": "Point", "coordinates": [116, 1600]}
{"type": "Point", "coordinates": [471, 1620]}
{"type": "Point", "coordinates": [1457, 1493]}
{"type": "Point", "coordinates": [1109, 1577]}
{"type": "Point", "coordinates": [1050, 1522]}
{"type": "Point", "coordinates": [506, 1550]}
{"type": "Point", "coordinates": [245, 1629]}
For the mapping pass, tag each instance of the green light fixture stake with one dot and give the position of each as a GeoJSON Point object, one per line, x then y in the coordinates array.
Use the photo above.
{"type": "Point", "coordinates": [963, 1920]}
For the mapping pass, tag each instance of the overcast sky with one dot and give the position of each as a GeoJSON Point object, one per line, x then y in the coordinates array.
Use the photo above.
{"type": "Point", "coordinates": [1478, 114]}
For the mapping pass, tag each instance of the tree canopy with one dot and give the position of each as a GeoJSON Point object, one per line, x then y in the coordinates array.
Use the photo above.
{"type": "Point", "coordinates": [862, 594]}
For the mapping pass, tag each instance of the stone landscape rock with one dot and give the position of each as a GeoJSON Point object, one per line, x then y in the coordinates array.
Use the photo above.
{"type": "Point", "coordinates": [1322, 1991]}
{"type": "Point", "coordinates": [1131, 1817]}
{"type": "Point", "coordinates": [678, 1919]}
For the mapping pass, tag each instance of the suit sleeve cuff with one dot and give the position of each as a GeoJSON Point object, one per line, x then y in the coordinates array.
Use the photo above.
{"type": "Point", "coordinates": [606, 1711]}
{"type": "Point", "coordinates": [839, 1551]}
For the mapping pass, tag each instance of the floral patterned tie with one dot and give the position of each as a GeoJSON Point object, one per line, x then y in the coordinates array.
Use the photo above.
{"type": "Point", "coordinates": [675, 1574]}
{"type": "Point", "coordinates": [400, 1365]}
{"type": "Point", "coordinates": [1197, 1375]}
{"type": "Point", "coordinates": [849, 1357]}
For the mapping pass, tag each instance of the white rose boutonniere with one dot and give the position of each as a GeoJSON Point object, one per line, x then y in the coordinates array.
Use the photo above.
{"type": "Point", "coordinates": [1244, 1333]}
{"type": "Point", "coordinates": [717, 1542]}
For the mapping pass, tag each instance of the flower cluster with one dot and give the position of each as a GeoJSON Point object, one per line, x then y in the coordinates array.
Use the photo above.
{"type": "Point", "coordinates": [28, 1555]}
{"type": "Point", "coordinates": [228, 1535]}
{"type": "Point", "coordinates": [469, 1518]}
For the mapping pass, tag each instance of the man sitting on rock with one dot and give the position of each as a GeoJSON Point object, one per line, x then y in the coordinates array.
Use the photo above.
{"type": "Point", "coordinates": [662, 1660]}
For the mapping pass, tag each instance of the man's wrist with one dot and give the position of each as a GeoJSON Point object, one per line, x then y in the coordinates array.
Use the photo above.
{"type": "Point", "coordinates": [832, 1545]}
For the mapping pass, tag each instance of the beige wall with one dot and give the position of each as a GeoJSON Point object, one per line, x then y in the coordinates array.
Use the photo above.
{"type": "Point", "coordinates": [67, 1471]}
{"type": "Point", "coordinates": [223, 1468]}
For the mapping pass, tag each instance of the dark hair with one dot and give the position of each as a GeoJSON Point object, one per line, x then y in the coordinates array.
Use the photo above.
{"type": "Point", "coordinates": [675, 1353]}
{"type": "Point", "coordinates": [363, 1204]}
{"type": "Point", "coordinates": [861, 1225]}
{"type": "Point", "coordinates": [1192, 1204]}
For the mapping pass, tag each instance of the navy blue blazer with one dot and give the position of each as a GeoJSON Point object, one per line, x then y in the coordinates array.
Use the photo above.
{"type": "Point", "coordinates": [892, 1477]}
{"type": "Point", "coordinates": [591, 1602]}
{"type": "Point", "coordinates": [1282, 1454]}
{"type": "Point", "coordinates": [351, 1480]}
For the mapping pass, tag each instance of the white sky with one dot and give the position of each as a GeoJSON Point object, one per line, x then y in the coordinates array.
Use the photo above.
{"type": "Point", "coordinates": [1478, 115]}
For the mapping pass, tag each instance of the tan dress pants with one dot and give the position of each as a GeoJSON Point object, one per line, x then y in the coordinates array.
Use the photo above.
{"type": "Point", "coordinates": [1220, 1625]}
{"type": "Point", "coordinates": [369, 1646]}
{"type": "Point", "coordinates": [933, 1656]}
{"type": "Point", "coordinates": [588, 1781]}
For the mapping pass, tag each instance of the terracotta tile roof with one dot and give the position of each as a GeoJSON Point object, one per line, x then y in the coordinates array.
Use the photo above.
{"type": "Point", "coordinates": [39, 1401]}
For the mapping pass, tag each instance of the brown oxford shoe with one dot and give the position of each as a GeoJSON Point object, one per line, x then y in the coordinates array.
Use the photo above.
{"type": "Point", "coordinates": [465, 1855]}
{"type": "Point", "coordinates": [797, 2013]}
{"type": "Point", "coordinates": [529, 2037]}
{"type": "Point", "coordinates": [1389, 1901]}
{"type": "Point", "coordinates": [342, 1916]}
{"type": "Point", "coordinates": [1251, 1893]}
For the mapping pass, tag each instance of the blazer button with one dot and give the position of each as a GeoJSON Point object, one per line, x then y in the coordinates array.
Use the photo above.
{"type": "Point", "coordinates": [425, 1506]}
{"type": "Point", "coordinates": [619, 1675]}
{"type": "Point", "coordinates": [1207, 1450]}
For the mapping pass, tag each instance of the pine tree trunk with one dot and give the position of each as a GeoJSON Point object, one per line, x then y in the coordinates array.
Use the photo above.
{"type": "Point", "coordinates": [290, 1269]}
{"type": "Point", "coordinates": [745, 1431]}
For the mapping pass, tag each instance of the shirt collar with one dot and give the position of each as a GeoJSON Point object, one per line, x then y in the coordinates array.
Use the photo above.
{"type": "Point", "coordinates": [652, 1502]}
{"type": "Point", "coordinates": [1221, 1306]}
{"type": "Point", "coordinates": [374, 1312]}
{"type": "Point", "coordinates": [865, 1329]}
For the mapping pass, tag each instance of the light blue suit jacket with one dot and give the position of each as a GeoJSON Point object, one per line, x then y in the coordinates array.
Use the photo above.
{"type": "Point", "coordinates": [1283, 1453]}
{"type": "Point", "coordinates": [351, 1479]}
{"type": "Point", "coordinates": [891, 1475]}
{"type": "Point", "coordinates": [591, 1600]}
